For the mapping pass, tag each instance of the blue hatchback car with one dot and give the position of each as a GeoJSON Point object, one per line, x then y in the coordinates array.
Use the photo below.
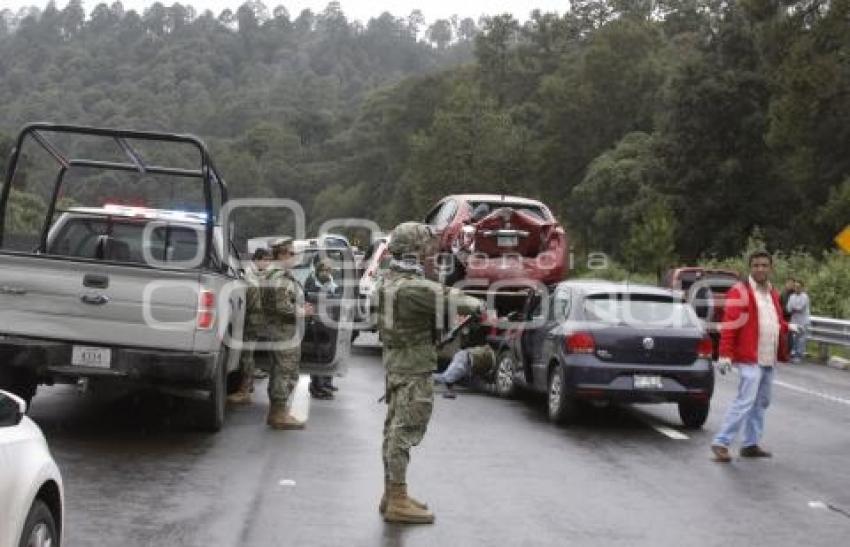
{"type": "Point", "coordinates": [589, 340]}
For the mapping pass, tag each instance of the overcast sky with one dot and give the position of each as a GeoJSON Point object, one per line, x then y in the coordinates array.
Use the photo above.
{"type": "Point", "coordinates": [354, 9]}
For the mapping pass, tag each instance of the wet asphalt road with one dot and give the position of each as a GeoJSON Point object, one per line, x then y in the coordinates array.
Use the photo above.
{"type": "Point", "coordinates": [495, 471]}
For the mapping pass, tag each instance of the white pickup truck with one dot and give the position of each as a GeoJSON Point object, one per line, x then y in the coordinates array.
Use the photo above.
{"type": "Point", "coordinates": [115, 294]}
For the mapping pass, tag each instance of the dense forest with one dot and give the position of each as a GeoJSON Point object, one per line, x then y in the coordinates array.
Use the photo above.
{"type": "Point", "coordinates": [656, 130]}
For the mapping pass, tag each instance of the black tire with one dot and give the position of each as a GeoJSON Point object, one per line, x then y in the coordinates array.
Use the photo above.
{"type": "Point", "coordinates": [210, 413]}
{"type": "Point", "coordinates": [234, 381]}
{"type": "Point", "coordinates": [694, 415]}
{"type": "Point", "coordinates": [503, 382]}
{"type": "Point", "coordinates": [21, 383]}
{"type": "Point", "coordinates": [562, 406]}
{"type": "Point", "coordinates": [39, 526]}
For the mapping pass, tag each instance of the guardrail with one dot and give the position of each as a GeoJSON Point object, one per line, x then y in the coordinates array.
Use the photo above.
{"type": "Point", "coordinates": [829, 332]}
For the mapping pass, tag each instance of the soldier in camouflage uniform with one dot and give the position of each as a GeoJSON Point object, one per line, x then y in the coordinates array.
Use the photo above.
{"type": "Point", "coordinates": [408, 308]}
{"type": "Point", "coordinates": [282, 301]}
{"type": "Point", "coordinates": [254, 321]}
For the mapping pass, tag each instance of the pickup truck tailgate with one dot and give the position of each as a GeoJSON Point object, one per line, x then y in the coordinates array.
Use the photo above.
{"type": "Point", "coordinates": [97, 303]}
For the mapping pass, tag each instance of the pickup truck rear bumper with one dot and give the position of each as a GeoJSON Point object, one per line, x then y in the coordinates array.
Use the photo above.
{"type": "Point", "coordinates": [48, 360]}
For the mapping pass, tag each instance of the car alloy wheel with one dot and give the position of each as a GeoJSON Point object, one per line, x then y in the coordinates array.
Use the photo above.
{"type": "Point", "coordinates": [40, 527]}
{"type": "Point", "coordinates": [555, 393]}
{"type": "Point", "coordinates": [562, 405]}
{"type": "Point", "coordinates": [505, 386]}
{"type": "Point", "coordinates": [40, 536]}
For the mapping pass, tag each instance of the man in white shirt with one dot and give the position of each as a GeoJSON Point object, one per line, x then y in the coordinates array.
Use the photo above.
{"type": "Point", "coordinates": [753, 339]}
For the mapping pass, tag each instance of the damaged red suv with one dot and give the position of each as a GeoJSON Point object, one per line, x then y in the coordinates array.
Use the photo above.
{"type": "Point", "coordinates": [495, 238]}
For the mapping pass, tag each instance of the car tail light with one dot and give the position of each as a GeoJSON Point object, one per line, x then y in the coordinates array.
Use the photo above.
{"type": "Point", "coordinates": [579, 342]}
{"type": "Point", "coordinates": [705, 348]}
{"type": "Point", "coordinates": [206, 309]}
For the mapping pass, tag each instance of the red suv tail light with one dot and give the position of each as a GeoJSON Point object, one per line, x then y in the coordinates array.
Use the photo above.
{"type": "Point", "coordinates": [579, 342]}
{"type": "Point", "coordinates": [705, 348]}
{"type": "Point", "coordinates": [206, 309]}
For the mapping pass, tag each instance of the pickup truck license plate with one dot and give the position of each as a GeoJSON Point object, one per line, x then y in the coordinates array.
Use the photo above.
{"type": "Point", "coordinates": [648, 382]}
{"type": "Point", "coordinates": [87, 356]}
{"type": "Point", "coordinates": [506, 241]}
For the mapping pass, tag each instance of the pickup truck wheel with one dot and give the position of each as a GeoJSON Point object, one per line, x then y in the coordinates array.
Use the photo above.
{"type": "Point", "coordinates": [562, 406]}
{"type": "Point", "coordinates": [505, 367]}
{"type": "Point", "coordinates": [234, 381]}
{"type": "Point", "coordinates": [694, 415]}
{"type": "Point", "coordinates": [211, 411]}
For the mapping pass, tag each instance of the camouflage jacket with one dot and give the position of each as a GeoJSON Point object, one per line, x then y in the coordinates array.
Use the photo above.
{"type": "Point", "coordinates": [254, 318]}
{"type": "Point", "coordinates": [408, 308]}
{"type": "Point", "coordinates": [280, 297]}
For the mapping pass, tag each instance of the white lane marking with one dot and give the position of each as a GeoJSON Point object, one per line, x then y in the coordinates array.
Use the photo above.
{"type": "Point", "coordinates": [669, 432]}
{"type": "Point", "coordinates": [299, 403]}
{"type": "Point", "coordinates": [653, 422]}
{"type": "Point", "coordinates": [821, 395]}
{"type": "Point", "coordinates": [818, 505]}
{"type": "Point", "coordinates": [287, 482]}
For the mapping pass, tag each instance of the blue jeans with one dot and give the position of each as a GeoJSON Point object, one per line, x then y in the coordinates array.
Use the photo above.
{"type": "Point", "coordinates": [754, 389]}
{"type": "Point", "coordinates": [798, 343]}
{"type": "Point", "coordinates": [458, 369]}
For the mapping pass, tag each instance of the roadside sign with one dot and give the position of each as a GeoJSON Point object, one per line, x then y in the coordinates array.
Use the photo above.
{"type": "Point", "coordinates": [843, 240]}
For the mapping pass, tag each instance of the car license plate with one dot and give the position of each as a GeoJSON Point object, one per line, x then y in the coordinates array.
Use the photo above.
{"type": "Point", "coordinates": [648, 382]}
{"type": "Point", "coordinates": [506, 241]}
{"type": "Point", "coordinates": [87, 356]}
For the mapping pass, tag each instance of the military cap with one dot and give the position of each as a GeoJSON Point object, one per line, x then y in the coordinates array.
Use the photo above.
{"type": "Point", "coordinates": [410, 238]}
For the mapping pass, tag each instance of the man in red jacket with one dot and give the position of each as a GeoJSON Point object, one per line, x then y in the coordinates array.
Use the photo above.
{"type": "Point", "coordinates": [753, 338]}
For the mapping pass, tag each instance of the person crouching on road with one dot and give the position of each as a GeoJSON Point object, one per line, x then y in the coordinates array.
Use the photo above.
{"type": "Point", "coordinates": [467, 364]}
{"type": "Point", "coordinates": [282, 301]}
{"type": "Point", "coordinates": [253, 323]}
{"type": "Point", "coordinates": [408, 309]}
{"type": "Point", "coordinates": [753, 338]}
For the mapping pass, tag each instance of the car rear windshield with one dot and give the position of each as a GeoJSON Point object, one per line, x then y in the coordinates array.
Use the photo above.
{"type": "Point", "coordinates": [638, 310]}
{"type": "Point", "coordinates": [718, 281]}
{"type": "Point", "coordinates": [534, 210]}
{"type": "Point", "coordinates": [123, 240]}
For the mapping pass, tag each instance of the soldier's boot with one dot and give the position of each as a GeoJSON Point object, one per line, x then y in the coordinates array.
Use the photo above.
{"type": "Point", "coordinates": [382, 507]}
{"type": "Point", "coordinates": [401, 509]}
{"type": "Point", "coordinates": [243, 395]}
{"type": "Point", "coordinates": [280, 418]}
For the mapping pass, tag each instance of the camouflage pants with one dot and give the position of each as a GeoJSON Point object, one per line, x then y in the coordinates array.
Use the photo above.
{"type": "Point", "coordinates": [246, 360]}
{"type": "Point", "coordinates": [283, 374]}
{"type": "Point", "coordinates": [410, 400]}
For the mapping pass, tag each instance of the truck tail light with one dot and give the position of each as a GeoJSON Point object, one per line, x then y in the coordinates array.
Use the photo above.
{"type": "Point", "coordinates": [579, 342]}
{"type": "Point", "coordinates": [705, 348]}
{"type": "Point", "coordinates": [206, 309]}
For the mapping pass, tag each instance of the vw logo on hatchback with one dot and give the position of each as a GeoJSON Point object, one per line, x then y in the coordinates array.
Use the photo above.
{"type": "Point", "coordinates": [648, 343]}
